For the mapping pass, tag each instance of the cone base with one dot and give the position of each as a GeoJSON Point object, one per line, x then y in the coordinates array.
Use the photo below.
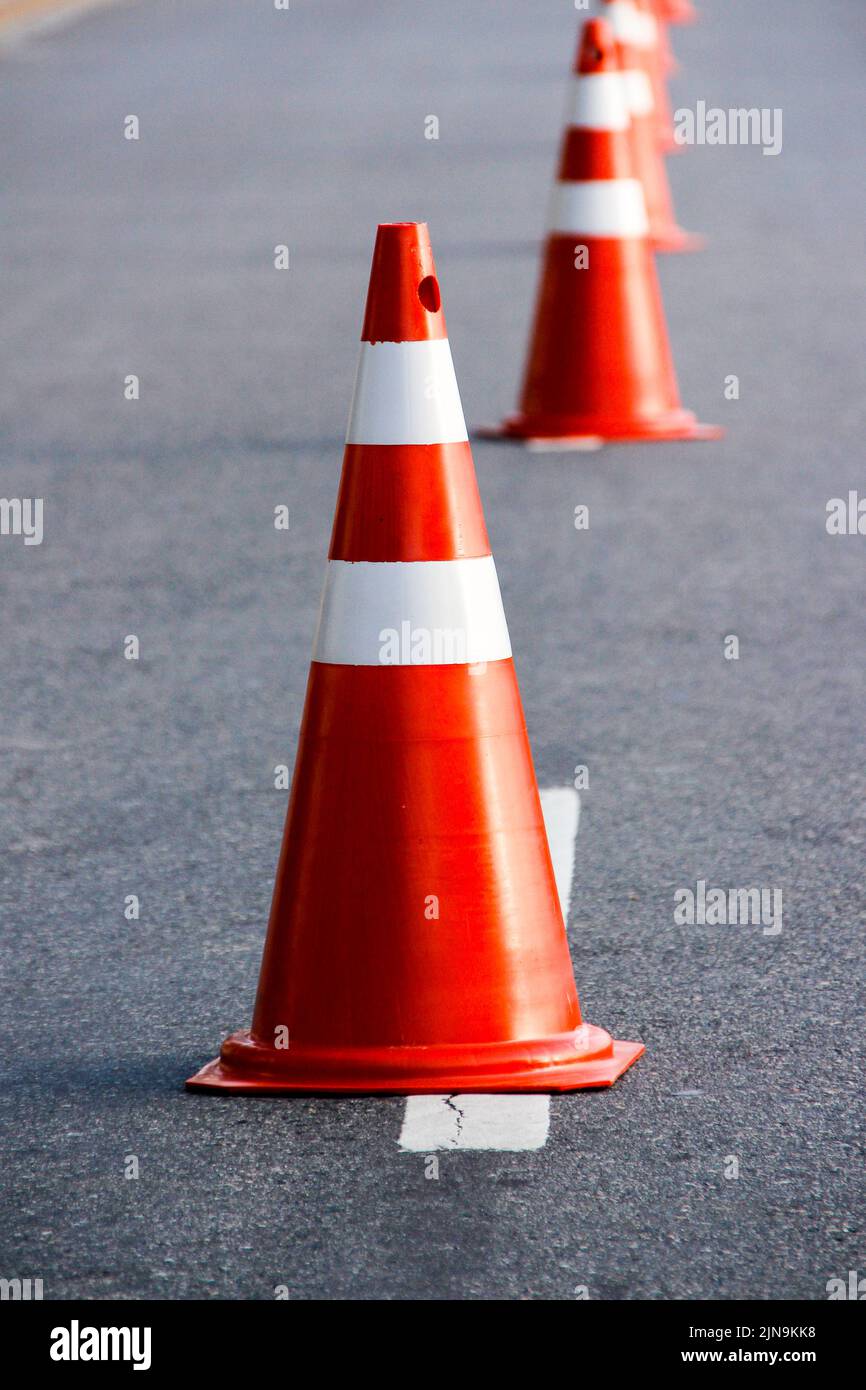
{"type": "Point", "coordinates": [564, 432]}
{"type": "Point", "coordinates": [587, 1058]}
{"type": "Point", "coordinates": [673, 240]}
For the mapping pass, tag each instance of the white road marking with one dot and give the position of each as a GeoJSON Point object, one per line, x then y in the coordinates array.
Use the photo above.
{"type": "Point", "coordinates": [560, 807]}
{"type": "Point", "coordinates": [505, 1122]}
{"type": "Point", "coordinates": [475, 1122]}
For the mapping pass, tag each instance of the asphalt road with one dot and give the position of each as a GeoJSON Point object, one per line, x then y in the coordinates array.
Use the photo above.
{"type": "Point", "coordinates": [155, 778]}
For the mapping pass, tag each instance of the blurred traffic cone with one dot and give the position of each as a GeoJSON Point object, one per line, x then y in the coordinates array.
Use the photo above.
{"type": "Point", "coordinates": [668, 57]}
{"type": "Point", "coordinates": [416, 942]}
{"type": "Point", "coordinates": [629, 30]}
{"type": "Point", "coordinates": [599, 362]}
{"type": "Point", "coordinates": [678, 11]}
{"type": "Point", "coordinates": [653, 51]}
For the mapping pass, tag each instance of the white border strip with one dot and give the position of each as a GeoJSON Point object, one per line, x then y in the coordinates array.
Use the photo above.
{"type": "Point", "coordinates": [412, 613]}
{"type": "Point", "coordinates": [406, 393]}
{"type": "Point", "coordinates": [507, 1123]}
{"type": "Point", "coordinates": [599, 207]}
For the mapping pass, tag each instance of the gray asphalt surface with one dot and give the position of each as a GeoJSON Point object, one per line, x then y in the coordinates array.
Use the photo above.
{"type": "Point", "coordinates": [156, 778]}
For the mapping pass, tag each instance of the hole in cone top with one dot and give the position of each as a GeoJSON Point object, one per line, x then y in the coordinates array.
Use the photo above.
{"type": "Point", "coordinates": [428, 293]}
{"type": "Point", "coordinates": [403, 301]}
{"type": "Point", "coordinates": [597, 48]}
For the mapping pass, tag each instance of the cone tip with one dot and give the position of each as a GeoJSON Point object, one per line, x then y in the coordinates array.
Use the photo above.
{"type": "Point", "coordinates": [596, 50]}
{"type": "Point", "coordinates": [392, 228]}
{"type": "Point", "coordinates": [403, 302]}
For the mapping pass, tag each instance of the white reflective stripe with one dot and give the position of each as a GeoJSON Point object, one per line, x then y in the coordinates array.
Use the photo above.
{"type": "Point", "coordinates": [647, 31]}
{"type": "Point", "coordinates": [651, 30]}
{"type": "Point", "coordinates": [599, 207]}
{"type": "Point", "coordinates": [638, 92]}
{"type": "Point", "coordinates": [598, 101]}
{"type": "Point", "coordinates": [406, 393]}
{"type": "Point", "coordinates": [411, 613]}
{"type": "Point", "coordinates": [627, 23]}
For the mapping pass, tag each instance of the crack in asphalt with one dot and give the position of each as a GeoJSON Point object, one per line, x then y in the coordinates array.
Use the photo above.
{"type": "Point", "coordinates": [449, 1101]}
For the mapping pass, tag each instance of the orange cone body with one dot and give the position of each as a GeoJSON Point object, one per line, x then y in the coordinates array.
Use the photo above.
{"type": "Point", "coordinates": [599, 361]}
{"type": "Point", "coordinates": [668, 58]}
{"type": "Point", "coordinates": [628, 28]}
{"type": "Point", "coordinates": [416, 941]}
{"type": "Point", "coordinates": [678, 11]}
{"type": "Point", "coordinates": [656, 55]}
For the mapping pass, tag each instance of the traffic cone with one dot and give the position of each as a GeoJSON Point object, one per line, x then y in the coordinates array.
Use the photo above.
{"type": "Point", "coordinates": [599, 363]}
{"type": "Point", "coordinates": [669, 61]}
{"type": "Point", "coordinates": [416, 942]}
{"type": "Point", "coordinates": [657, 55]}
{"type": "Point", "coordinates": [678, 11]}
{"type": "Point", "coordinates": [630, 33]}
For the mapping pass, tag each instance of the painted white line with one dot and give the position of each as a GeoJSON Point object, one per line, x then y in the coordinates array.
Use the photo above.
{"type": "Point", "coordinates": [560, 807]}
{"type": "Point", "coordinates": [508, 1122]}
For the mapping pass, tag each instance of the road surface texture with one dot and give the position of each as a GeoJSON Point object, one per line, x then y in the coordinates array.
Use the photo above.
{"type": "Point", "coordinates": [155, 258]}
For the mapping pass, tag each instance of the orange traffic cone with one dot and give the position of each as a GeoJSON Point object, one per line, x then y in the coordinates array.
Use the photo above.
{"type": "Point", "coordinates": [630, 33]}
{"type": "Point", "coordinates": [416, 942]}
{"type": "Point", "coordinates": [656, 56]}
{"type": "Point", "coordinates": [668, 57]}
{"type": "Point", "coordinates": [678, 11]}
{"type": "Point", "coordinates": [599, 362]}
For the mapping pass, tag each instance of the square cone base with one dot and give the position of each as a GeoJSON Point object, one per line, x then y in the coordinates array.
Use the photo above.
{"type": "Point", "coordinates": [674, 239]}
{"type": "Point", "coordinates": [551, 433]}
{"type": "Point", "coordinates": [245, 1067]}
